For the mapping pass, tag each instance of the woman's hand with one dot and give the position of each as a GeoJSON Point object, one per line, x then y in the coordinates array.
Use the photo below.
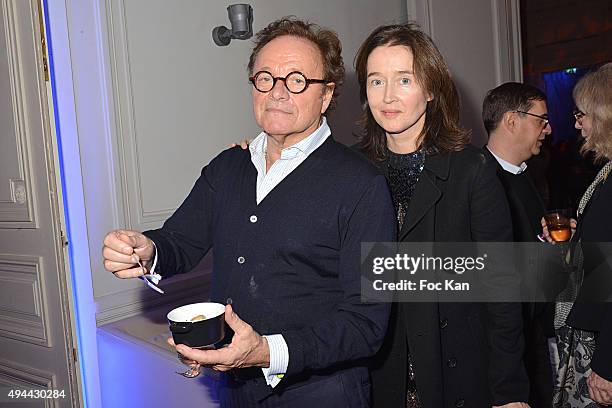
{"type": "Point", "coordinates": [513, 405]}
{"type": "Point", "coordinates": [545, 235]}
{"type": "Point", "coordinates": [600, 389]}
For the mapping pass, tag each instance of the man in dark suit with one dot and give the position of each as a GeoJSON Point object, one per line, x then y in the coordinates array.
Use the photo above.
{"type": "Point", "coordinates": [516, 119]}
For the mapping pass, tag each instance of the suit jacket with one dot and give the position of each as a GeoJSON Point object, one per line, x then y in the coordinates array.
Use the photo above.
{"type": "Point", "coordinates": [526, 206]}
{"type": "Point", "coordinates": [526, 209]}
{"type": "Point", "coordinates": [464, 354]}
{"type": "Point", "coordinates": [595, 233]}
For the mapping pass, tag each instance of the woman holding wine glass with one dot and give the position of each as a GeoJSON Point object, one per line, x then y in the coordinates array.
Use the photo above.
{"type": "Point", "coordinates": [583, 321]}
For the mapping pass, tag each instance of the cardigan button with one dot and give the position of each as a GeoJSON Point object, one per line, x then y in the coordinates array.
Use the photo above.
{"type": "Point", "coordinates": [452, 362]}
{"type": "Point", "coordinates": [253, 219]}
{"type": "Point", "coordinates": [460, 403]}
{"type": "Point", "coordinates": [241, 260]}
{"type": "Point", "coordinates": [443, 323]}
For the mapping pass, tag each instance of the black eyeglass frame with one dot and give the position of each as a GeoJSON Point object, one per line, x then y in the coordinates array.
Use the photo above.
{"type": "Point", "coordinates": [307, 81]}
{"type": "Point", "coordinates": [545, 119]}
{"type": "Point", "coordinates": [578, 115]}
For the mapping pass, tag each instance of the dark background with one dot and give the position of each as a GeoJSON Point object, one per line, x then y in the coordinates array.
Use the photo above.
{"type": "Point", "coordinates": [562, 40]}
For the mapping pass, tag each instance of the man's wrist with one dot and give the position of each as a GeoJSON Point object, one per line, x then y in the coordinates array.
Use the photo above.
{"type": "Point", "coordinates": [278, 354]}
{"type": "Point", "coordinates": [264, 353]}
{"type": "Point", "coordinates": [151, 263]}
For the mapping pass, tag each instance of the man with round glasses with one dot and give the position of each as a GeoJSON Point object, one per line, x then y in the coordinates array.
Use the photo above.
{"type": "Point", "coordinates": [286, 219]}
{"type": "Point", "coordinates": [295, 82]}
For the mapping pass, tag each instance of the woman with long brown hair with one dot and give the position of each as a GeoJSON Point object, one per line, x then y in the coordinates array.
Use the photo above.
{"type": "Point", "coordinates": [444, 190]}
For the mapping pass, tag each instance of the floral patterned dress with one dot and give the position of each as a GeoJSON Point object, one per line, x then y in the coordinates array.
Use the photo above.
{"type": "Point", "coordinates": [575, 350]}
{"type": "Point", "coordinates": [575, 347]}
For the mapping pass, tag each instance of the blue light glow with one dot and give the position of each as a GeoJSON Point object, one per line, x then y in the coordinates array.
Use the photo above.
{"type": "Point", "coordinates": [74, 218]}
{"type": "Point", "coordinates": [559, 86]}
{"type": "Point", "coordinates": [65, 201]}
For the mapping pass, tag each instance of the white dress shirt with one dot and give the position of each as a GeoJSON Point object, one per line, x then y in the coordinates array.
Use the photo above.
{"type": "Point", "coordinates": [509, 167]}
{"type": "Point", "coordinates": [291, 157]}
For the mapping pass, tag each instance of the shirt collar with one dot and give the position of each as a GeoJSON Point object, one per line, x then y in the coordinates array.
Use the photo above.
{"type": "Point", "coordinates": [305, 146]}
{"type": "Point", "coordinates": [509, 167]}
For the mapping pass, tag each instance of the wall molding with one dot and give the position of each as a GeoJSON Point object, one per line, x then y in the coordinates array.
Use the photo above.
{"type": "Point", "coordinates": [506, 34]}
{"type": "Point", "coordinates": [136, 301]}
{"type": "Point", "coordinates": [18, 376]}
{"type": "Point", "coordinates": [26, 322]}
{"type": "Point", "coordinates": [125, 140]}
{"type": "Point", "coordinates": [18, 210]}
{"type": "Point", "coordinates": [420, 12]}
{"type": "Point", "coordinates": [507, 40]}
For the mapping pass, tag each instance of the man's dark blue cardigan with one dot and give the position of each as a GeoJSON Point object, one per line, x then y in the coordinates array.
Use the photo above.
{"type": "Point", "coordinates": [291, 264]}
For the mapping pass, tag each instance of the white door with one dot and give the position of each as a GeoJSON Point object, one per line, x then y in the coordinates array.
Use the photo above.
{"type": "Point", "coordinates": [36, 341]}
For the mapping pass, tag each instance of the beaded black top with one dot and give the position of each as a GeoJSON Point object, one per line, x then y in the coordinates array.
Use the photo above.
{"type": "Point", "coordinates": [403, 171]}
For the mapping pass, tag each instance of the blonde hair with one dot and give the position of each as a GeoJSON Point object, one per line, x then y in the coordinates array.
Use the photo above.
{"type": "Point", "coordinates": [593, 97]}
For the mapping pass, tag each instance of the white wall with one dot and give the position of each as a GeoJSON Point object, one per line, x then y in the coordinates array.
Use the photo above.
{"type": "Point", "coordinates": [157, 100]}
{"type": "Point", "coordinates": [480, 40]}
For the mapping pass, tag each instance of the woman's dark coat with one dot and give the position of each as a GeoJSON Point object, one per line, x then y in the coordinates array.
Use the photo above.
{"type": "Point", "coordinates": [593, 308]}
{"type": "Point", "coordinates": [464, 354]}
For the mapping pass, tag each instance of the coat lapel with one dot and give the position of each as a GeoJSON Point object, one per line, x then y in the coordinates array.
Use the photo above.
{"type": "Point", "coordinates": [426, 193]}
{"type": "Point", "coordinates": [518, 204]}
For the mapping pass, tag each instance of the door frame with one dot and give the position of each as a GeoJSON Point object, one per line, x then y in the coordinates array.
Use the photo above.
{"type": "Point", "coordinates": [63, 20]}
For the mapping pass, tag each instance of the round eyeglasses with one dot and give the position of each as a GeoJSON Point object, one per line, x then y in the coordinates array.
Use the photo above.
{"type": "Point", "coordinates": [295, 81]}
